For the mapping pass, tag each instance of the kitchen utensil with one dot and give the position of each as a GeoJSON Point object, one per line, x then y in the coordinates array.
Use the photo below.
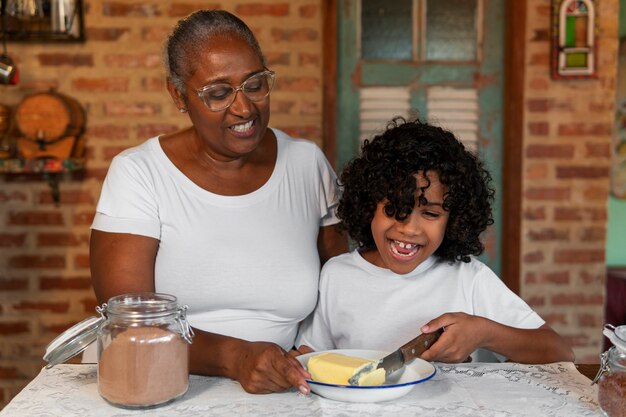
{"type": "Point", "coordinates": [396, 360]}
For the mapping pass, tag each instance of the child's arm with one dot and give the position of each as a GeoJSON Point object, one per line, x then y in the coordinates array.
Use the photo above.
{"type": "Point", "coordinates": [465, 333]}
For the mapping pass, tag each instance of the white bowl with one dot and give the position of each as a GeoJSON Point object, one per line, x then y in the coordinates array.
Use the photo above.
{"type": "Point", "coordinates": [396, 385]}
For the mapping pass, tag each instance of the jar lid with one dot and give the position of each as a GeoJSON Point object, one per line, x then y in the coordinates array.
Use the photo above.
{"type": "Point", "coordinates": [72, 341]}
{"type": "Point", "coordinates": [617, 336]}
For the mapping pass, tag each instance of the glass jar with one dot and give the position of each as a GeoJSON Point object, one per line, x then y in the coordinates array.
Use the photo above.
{"type": "Point", "coordinates": [143, 350]}
{"type": "Point", "coordinates": [611, 378]}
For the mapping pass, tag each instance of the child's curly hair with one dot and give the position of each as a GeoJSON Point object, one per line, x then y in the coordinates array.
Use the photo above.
{"type": "Point", "coordinates": [385, 171]}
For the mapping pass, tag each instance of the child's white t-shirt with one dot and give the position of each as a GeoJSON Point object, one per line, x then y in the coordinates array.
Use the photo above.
{"type": "Point", "coordinates": [363, 306]}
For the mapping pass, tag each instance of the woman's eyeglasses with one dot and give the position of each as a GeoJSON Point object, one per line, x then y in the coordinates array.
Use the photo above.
{"type": "Point", "coordinates": [218, 97]}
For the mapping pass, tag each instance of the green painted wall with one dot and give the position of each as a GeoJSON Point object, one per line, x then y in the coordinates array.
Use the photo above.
{"type": "Point", "coordinates": [616, 236]}
{"type": "Point", "coordinates": [616, 233]}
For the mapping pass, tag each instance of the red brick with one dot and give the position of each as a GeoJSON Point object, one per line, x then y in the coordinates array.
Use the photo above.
{"type": "Point", "coordinates": [548, 234]}
{"type": "Point", "coordinates": [13, 284]}
{"type": "Point", "coordinates": [593, 234]}
{"type": "Point", "coordinates": [53, 307]}
{"type": "Point", "coordinates": [13, 196]}
{"type": "Point", "coordinates": [183, 9]}
{"type": "Point", "coordinates": [14, 328]}
{"type": "Point", "coordinates": [534, 257]}
{"type": "Point", "coordinates": [98, 174]}
{"type": "Point", "coordinates": [282, 107]}
{"type": "Point", "coordinates": [122, 108]}
{"type": "Point", "coordinates": [308, 132]}
{"type": "Point", "coordinates": [119, 8]}
{"type": "Point", "coordinates": [36, 218]}
{"type": "Point", "coordinates": [295, 35]}
{"type": "Point", "coordinates": [8, 372]}
{"type": "Point", "coordinates": [588, 278]}
{"type": "Point", "coordinates": [586, 172]}
{"type": "Point", "coordinates": [536, 171]}
{"type": "Point", "coordinates": [550, 151]}
{"type": "Point", "coordinates": [260, 9]}
{"type": "Point", "coordinates": [309, 10]}
{"type": "Point", "coordinates": [585, 129]}
{"type": "Point", "coordinates": [8, 240]}
{"type": "Point", "coordinates": [539, 84]}
{"type": "Point", "coordinates": [50, 283]}
{"type": "Point", "coordinates": [133, 60]}
{"type": "Point", "coordinates": [598, 150]}
{"type": "Point", "coordinates": [109, 131]}
{"type": "Point", "coordinates": [599, 194]}
{"type": "Point", "coordinates": [547, 193]}
{"type": "Point", "coordinates": [82, 261]}
{"type": "Point", "coordinates": [560, 278]}
{"type": "Point", "coordinates": [537, 105]}
{"type": "Point", "coordinates": [536, 301]}
{"type": "Point", "coordinates": [153, 84]}
{"type": "Point", "coordinates": [577, 299]}
{"type": "Point", "coordinates": [576, 214]}
{"type": "Point", "coordinates": [541, 35]}
{"type": "Point", "coordinates": [278, 58]}
{"type": "Point", "coordinates": [155, 33]}
{"type": "Point", "coordinates": [68, 197]}
{"type": "Point", "coordinates": [62, 239]}
{"type": "Point", "coordinates": [579, 340]}
{"type": "Point", "coordinates": [535, 213]}
{"type": "Point", "coordinates": [95, 34]}
{"type": "Point", "coordinates": [579, 256]}
{"type": "Point", "coordinates": [37, 262]}
{"type": "Point", "coordinates": [305, 59]}
{"type": "Point", "coordinates": [555, 318]}
{"type": "Point", "coordinates": [83, 218]}
{"type": "Point", "coordinates": [539, 128]}
{"type": "Point", "coordinates": [540, 59]}
{"type": "Point", "coordinates": [60, 59]}
{"type": "Point", "coordinates": [119, 84]}
{"type": "Point", "coordinates": [590, 320]}
{"type": "Point", "coordinates": [109, 152]}
{"type": "Point", "coordinates": [155, 129]}
{"type": "Point", "coordinates": [89, 304]}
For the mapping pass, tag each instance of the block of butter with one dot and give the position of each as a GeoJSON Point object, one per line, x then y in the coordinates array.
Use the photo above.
{"type": "Point", "coordinates": [335, 368]}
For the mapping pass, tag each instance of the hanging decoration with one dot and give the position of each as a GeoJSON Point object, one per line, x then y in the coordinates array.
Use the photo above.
{"type": "Point", "coordinates": [573, 39]}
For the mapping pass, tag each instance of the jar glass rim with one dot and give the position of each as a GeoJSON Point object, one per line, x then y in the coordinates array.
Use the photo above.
{"type": "Point", "coordinates": [142, 305]}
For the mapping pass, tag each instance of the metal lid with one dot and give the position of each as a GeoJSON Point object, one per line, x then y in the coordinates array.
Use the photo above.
{"type": "Point", "coordinates": [72, 341]}
{"type": "Point", "coordinates": [617, 335]}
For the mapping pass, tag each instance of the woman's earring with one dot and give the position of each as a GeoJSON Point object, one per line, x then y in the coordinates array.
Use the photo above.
{"type": "Point", "coordinates": [182, 110]}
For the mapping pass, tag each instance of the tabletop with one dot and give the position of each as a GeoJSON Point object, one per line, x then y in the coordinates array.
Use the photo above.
{"type": "Point", "coordinates": [473, 389]}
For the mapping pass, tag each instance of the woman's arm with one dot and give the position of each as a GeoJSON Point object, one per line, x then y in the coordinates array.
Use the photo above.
{"type": "Point", "coordinates": [123, 263]}
{"type": "Point", "coordinates": [331, 242]}
{"type": "Point", "coordinates": [465, 333]}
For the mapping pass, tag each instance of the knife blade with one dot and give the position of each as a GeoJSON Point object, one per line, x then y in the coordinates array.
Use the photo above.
{"type": "Point", "coordinates": [397, 359]}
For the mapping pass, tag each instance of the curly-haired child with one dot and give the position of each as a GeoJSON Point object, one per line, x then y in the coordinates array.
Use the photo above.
{"type": "Point", "coordinates": [416, 202]}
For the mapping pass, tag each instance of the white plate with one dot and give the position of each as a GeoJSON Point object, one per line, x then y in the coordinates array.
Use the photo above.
{"type": "Point", "coordinates": [396, 385]}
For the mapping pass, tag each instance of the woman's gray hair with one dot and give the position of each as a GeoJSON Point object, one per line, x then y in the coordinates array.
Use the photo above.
{"type": "Point", "coordinates": [190, 36]}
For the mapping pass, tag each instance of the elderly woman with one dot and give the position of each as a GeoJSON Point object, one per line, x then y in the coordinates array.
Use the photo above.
{"type": "Point", "coordinates": [228, 215]}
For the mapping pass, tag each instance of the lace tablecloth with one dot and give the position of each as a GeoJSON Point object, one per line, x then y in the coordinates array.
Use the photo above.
{"type": "Point", "coordinates": [479, 389]}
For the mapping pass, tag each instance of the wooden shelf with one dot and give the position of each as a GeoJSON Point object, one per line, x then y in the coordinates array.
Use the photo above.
{"type": "Point", "coordinates": [41, 166]}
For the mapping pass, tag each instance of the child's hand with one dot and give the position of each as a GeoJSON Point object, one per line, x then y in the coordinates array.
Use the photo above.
{"type": "Point", "coordinates": [463, 333]}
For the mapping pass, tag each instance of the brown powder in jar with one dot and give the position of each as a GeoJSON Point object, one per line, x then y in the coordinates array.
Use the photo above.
{"type": "Point", "coordinates": [612, 394]}
{"type": "Point", "coordinates": [144, 366]}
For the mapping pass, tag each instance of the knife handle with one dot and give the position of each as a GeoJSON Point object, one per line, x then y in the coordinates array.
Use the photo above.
{"type": "Point", "coordinates": [414, 348]}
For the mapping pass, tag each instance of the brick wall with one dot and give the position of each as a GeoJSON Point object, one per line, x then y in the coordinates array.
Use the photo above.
{"type": "Point", "coordinates": [117, 76]}
{"type": "Point", "coordinates": [567, 148]}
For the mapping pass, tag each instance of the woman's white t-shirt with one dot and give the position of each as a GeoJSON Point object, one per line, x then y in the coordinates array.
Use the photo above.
{"type": "Point", "coordinates": [247, 266]}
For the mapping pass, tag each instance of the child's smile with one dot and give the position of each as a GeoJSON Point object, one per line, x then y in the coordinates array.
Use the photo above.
{"type": "Point", "coordinates": [402, 246]}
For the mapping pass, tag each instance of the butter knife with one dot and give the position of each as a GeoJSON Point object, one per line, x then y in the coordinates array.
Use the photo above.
{"type": "Point", "coordinates": [396, 360]}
